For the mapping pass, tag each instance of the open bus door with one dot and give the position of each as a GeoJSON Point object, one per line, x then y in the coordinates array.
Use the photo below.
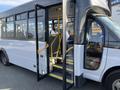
{"type": "Point", "coordinates": [75, 15]}
{"type": "Point", "coordinates": [41, 45]}
{"type": "Point", "coordinates": [68, 43]}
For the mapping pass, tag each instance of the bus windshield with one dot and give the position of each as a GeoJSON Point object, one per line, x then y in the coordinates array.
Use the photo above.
{"type": "Point", "coordinates": [113, 27]}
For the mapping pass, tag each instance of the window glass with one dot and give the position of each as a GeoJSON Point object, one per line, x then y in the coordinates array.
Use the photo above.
{"type": "Point", "coordinates": [61, 24]}
{"type": "Point", "coordinates": [10, 30]}
{"type": "Point", "coordinates": [31, 31]}
{"type": "Point", "coordinates": [94, 46]}
{"type": "Point", "coordinates": [18, 17]}
{"type": "Point", "coordinates": [10, 19]}
{"type": "Point", "coordinates": [41, 12]}
{"type": "Point", "coordinates": [32, 14]}
{"type": "Point", "coordinates": [21, 30]}
{"type": "Point", "coordinates": [21, 16]}
{"type": "Point", "coordinates": [113, 32]}
{"type": "Point", "coordinates": [50, 25]}
{"type": "Point", "coordinates": [41, 28]}
{"type": "Point", "coordinates": [24, 16]}
{"type": "Point", "coordinates": [95, 35]}
{"type": "Point", "coordinates": [3, 28]}
{"type": "Point", "coordinates": [0, 26]}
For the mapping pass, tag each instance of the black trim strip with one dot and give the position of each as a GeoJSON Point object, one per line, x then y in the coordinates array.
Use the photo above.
{"type": "Point", "coordinates": [37, 47]}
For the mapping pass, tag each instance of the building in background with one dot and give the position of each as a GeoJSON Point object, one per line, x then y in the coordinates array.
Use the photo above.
{"type": "Point", "coordinates": [116, 11]}
{"type": "Point", "coordinates": [115, 1]}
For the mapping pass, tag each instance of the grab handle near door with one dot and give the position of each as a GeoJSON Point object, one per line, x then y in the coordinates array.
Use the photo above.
{"type": "Point", "coordinates": [42, 49]}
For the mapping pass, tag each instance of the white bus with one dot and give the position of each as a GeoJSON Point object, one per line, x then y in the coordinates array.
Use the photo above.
{"type": "Point", "coordinates": [71, 40]}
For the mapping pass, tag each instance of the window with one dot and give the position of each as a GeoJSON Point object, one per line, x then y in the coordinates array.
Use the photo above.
{"type": "Point", "coordinates": [21, 30]}
{"type": "Point", "coordinates": [50, 25]}
{"type": "Point", "coordinates": [32, 14]}
{"type": "Point", "coordinates": [41, 12]}
{"type": "Point", "coordinates": [94, 45]}
{"type": "Point", "coordinates": [18, 17]}
{"type": "Point", "coordinates": [113, 32]}
{"type": "Point", "coordinates": [0, 26]}
{"type": "Point", "coordinates": [55, 26]}
{"type": "Point", "coordinates": [3, 28]}
{"type": "Point", "coordinates": [95, 34]}
{"type": "Point", "coordinates": [41, 28]}
{"type": "Point", "coordinates": [10, 30]}
{"type": "Point", "coordinates": [22, 16]}
{"type": "Point", "coordinates": [10, 19]}
{"type": "Point", "coordinates": [31, 30]}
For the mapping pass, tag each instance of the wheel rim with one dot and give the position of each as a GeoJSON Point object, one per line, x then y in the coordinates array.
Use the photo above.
{"type": "Point", "coordinates": [116, 85]}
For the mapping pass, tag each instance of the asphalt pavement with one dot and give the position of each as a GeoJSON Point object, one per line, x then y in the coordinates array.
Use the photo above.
{"type": "Point", "coordinates": [16, 78]}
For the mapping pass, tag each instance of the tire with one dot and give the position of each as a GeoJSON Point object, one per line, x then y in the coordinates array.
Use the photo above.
{"type": "Point", "coordinates": [4, 60]}
{"type": "Point", "coordinates": [112, 81]}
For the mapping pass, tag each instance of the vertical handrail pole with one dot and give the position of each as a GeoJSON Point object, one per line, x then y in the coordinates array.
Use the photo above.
{"type": "Point", "coordinates": [64, 45]}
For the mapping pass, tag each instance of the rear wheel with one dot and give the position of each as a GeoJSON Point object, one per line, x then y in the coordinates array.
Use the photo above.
{"type": "Point", "coordinates": [4, 59]}
{"type": "Point", "coordinates": [112, 81]}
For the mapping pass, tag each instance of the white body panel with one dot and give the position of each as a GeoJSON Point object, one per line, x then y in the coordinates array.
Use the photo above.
{"type": "Point", "coordinates": [96, 74]}
{"type": "Point", "coordinates": [78, 59]}
{"type": "Point", "coordinates": [110, 59]}
{"type": "Point", "coordinates": [113, 59]}
{"type": "Point", "coordinates": [23, 54]}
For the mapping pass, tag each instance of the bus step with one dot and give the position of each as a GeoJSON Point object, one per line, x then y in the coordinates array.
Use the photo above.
{"type": "Point", "coordinates": [60, 77]}
{"type": "Point", "coordinates": [60, 66]}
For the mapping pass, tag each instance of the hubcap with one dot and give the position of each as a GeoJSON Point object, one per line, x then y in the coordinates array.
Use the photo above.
{"type": "Point", "coordinates": [116, 85]}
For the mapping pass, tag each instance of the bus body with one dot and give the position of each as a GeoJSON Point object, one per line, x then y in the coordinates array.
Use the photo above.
{"type": "Point", "coordinates": [71, 40]}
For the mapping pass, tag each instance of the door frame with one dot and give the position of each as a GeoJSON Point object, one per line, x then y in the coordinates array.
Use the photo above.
{"type": "Point", "coordinates": [37, 40]}
{"type": "Point", "coordinates": [85, 42]}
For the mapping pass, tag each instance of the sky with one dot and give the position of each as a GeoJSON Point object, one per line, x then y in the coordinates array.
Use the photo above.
{"type": "Point", "coordinates": [7, 4]}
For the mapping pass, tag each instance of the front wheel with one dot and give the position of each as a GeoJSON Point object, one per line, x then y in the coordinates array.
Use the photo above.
{"type": "Point", "coordinates": [112, 81]}
{"type": "Point", "coordinates": [4, 60]}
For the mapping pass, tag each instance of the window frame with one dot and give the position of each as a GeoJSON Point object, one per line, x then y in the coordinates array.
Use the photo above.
{"type": "Point", "coordinates": [85, 42]}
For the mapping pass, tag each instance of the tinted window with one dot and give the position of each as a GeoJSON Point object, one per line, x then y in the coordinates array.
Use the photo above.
{"type": "Point", "coordinates": [18, 17]}
{"type": "Point", "coordinates": [24, 16]}
{"type": "Point", "coordinates": [94, 45]}
{"type": "Point", "coordinates": [113, 32]}
{"type": "Point", "coordinates": [31, 14]}
{"type": "Point", "coordinates": [10, 30]}
{"type": "Point", "coordinates": [3, 28]}
{"type": "Point", "coordinates": [21, 16]}
{"type": "Point", "coordinates": [21, 30]}
{"type": "Point", "coordinates": [31, 31]}
{"type": "Point", "coordinates": [10, 19]}
{"type": "Point", "coordinates": [41, 28]}
{"type": "Point", "coordinates": [41, 12]}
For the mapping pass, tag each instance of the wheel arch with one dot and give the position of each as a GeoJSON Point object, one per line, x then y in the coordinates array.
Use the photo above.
{"type": "Point", "coordinates": [109, 71]}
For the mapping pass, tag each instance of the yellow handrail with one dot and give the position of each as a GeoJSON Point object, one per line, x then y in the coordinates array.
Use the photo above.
{"type": "Point", "coordinates": [69, 49]}
{"type": "Point", "coordinates": [60, 37]}
{"type": "Point", "coordinates": [51, 47]}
